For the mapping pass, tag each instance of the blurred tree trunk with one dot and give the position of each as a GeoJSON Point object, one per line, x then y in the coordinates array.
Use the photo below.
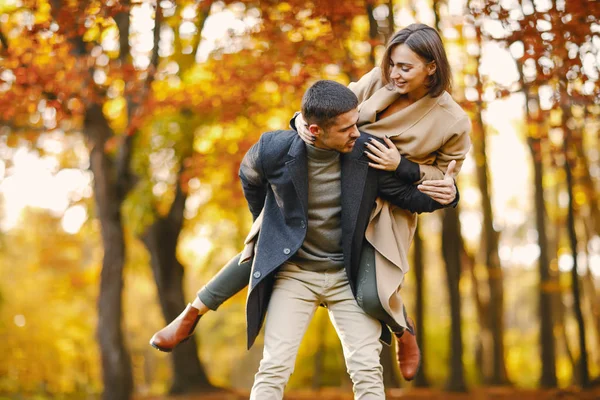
{"type": "Point", "coordinates": [117, 375]}
{"type": "Point", "coordinates": [451, 245]}
{"type": "Point", "coordinates": [162, 236]}
{"type": "Point", "coordinates": [547, 345]}
{"type": "Point", "coordinates": [379, 33]}
{"type": "Point", "coordinates": [481, 308]}
{"type": "Point", "coordinates": [112, 182]}
{"type": "Point", "coordinates": [418, 267]}
{"type": "Point", "coordinates": [589, 289]}
{"type": "Point", "coordinates": [373, 31]}
{"type": "Point", "coordinates": [548, 283]}
{"type": "Point", "coordinates": [583, 371]}
{"type": "Point", "coordinates": [495, 305]}
{"type": "Point", "coordinates": [161, 241]}
{"type": "Point", "coordinates": [391, 28]}
{"type": "Point", "coordinates": [553, 236]}
{"type": "Point", "coordinates": [592, 227]}
{"type": "Point", "coordinates": [591, 216]}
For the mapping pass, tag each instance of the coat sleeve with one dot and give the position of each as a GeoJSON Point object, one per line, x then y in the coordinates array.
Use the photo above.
{"type": "Point", "coordinates": [456, 145]}
{"type": "Point", "coordinates": [406, 195]}
{"type": "Point", "coordinates": [254, 182]}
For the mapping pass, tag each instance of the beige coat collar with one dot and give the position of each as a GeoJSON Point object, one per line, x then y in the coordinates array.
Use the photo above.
{"type": "Point", "coordinates": [399, 121]}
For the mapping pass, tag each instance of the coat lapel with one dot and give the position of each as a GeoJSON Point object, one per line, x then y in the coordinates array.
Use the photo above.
{"type": "Point", "coordinates": [297, 167]}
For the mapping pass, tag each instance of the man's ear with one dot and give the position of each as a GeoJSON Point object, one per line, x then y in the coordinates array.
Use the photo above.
{"type": "Point", "coordinates": [315, 130]}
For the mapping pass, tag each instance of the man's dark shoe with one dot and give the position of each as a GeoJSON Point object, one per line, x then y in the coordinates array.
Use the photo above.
{"type": "Point", "coordinates": [407, 352]}
{"type": "Point", "coordinates": [179, 330]}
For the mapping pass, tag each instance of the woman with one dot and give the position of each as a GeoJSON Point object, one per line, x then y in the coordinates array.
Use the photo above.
{"type": "Point", "coordinates": [406, 103]}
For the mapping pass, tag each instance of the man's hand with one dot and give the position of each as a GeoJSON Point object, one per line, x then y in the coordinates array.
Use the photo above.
{"type": "Point", "coordinates": [383, 157]}
{"type": "Point", "coordinates": [302, 129]}
{"type": "Point", "coordinates": [443, 191]}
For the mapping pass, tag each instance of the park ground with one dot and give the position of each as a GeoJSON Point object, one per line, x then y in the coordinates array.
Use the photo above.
{"type": "Point", "coordinates": [411, 394]}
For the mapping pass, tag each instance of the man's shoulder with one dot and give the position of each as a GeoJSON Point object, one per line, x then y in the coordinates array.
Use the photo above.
{"type": "Point", "coordinates": [278, 136]}
{"type": "Point", "coordinates": [274, 145]}
{"type": "Point", "coordinates": [275, 140]}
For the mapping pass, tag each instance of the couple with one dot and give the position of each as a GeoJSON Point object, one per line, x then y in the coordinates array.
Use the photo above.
{"type": "Point", "coordinates": [326, 220]}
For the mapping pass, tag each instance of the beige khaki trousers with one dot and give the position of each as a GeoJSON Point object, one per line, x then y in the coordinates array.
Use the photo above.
{"type": "Point", "coordinates": [296, 295]}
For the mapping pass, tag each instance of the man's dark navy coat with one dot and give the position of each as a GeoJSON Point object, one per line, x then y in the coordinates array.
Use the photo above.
{"type": "Point", "coordinates": [274, 175]}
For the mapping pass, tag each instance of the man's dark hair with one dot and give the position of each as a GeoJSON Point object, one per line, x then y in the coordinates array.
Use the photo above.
{"type": "Point", "coordinates": [325, 100]}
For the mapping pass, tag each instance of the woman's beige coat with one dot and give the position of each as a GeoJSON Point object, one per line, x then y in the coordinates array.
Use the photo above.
{"type": "Point", "coordinates": [432, 132]}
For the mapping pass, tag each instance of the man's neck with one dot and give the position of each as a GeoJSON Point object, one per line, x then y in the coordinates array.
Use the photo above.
{"type": "Point", "coordinates": [320, 154]}
{"type": "Point", "coordinates": [321, 146]}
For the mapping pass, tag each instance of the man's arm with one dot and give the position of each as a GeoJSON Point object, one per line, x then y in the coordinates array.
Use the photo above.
{"type": "Point", "coordinates": [406, 195]}
{"type": "Point", "coordinates": [254, 183]}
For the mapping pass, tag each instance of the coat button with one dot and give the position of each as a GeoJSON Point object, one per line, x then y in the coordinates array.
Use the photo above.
{"type": "Point", "coordinates": [256, 274]}
{"type": "Point", "coordinates": [303, 224]}
{"type": "Point", "coordinates": [286, 251]}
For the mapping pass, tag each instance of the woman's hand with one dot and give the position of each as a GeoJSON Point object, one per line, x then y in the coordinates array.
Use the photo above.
{"type": "Point", "coordinates": [303, 131]}
{"type": "Point", "coordinates": [384, 157]}
{"type": "Point", "coordinates": [443, 190]}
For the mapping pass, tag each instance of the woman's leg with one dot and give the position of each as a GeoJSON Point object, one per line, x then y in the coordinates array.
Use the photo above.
{"type": "Point", "coordinates": [366, 289]}
{"type": "Point", "coordinates": [407, 348]}
{"type": "Point", "coordinates": [232, 278]}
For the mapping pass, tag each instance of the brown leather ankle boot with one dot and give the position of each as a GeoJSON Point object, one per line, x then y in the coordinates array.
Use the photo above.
{"type": "Point", "coordinates": [407, 352]}
{"type": "Point", "coordinates": [179, 330]}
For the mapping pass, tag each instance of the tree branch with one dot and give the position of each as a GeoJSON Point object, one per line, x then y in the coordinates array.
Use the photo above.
{"type": "Point", "coordinates": [157, 24]}
{"type": "Point", "coordinates": [79, 47]}
{"type": "Point", "coordinates": [127, 179]}
{"type": "Point", "coordinates": [122, 20]}
{"type": "Point", "coordinates": [3, 39]}
{"type": "Point", "coordinates": [203, 13]}
{"type": "Point", "coordinates": [175, 216]}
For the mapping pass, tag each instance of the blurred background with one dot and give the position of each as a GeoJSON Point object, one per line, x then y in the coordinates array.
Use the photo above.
{"type": "Point", "coordinates": [122, 126]}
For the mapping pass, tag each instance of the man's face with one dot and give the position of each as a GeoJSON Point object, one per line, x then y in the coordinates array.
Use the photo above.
{"type": "Point", "coordinates": [340, 136]}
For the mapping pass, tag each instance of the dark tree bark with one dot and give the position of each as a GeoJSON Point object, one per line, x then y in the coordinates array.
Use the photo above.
{"type": "Point", "coordinates": [583, 371]}
{"type": "Point", "coordinates": [495, 306]}
{"type": "Point", "coordinates": [547, 343]}
{"type": "Point", "coordinates": [116, 365]}
{"type": "Point", "coordinates": [391, 28]}
{"type": "Point", "coordinates": [547, 281]}
{"type": "Point", "coordinates": [451, 245]}
{"type": "Point", "coordinates": [418, 267]}
{"type": "Point", "coordinates": [377, 32]}
{"type": "Point", "coordinates": [373, 31]}
{"type": "Point", "coordinates": [161, 241]}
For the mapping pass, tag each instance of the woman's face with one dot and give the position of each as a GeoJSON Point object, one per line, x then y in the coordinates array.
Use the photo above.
{"type": "Point", "coordinates": [409, 72]}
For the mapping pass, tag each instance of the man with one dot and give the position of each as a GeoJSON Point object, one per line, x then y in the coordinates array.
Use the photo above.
{"type": "Point", "coordinates": [315, 203]}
